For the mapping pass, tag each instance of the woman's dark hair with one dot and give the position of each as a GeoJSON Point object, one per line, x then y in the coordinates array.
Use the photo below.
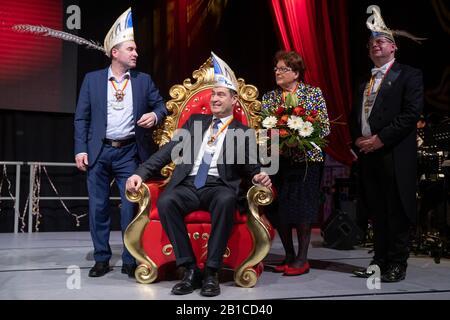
{"type": "Point", "coordinates": [292, 60]}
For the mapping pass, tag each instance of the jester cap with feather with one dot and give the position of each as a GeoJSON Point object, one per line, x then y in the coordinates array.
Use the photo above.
{"type": "Point", "coordinates": [376, 25]}
{"type": "Point", "coordinates": [121, 31]}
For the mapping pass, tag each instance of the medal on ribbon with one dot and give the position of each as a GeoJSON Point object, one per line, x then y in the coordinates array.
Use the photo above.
{"type": "Point", "coordinates": [119, 94]}
{"type": "Point", "coordinates": [116, 105]}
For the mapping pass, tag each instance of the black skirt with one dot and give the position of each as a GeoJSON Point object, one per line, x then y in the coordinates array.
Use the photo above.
{"type": "Point", "coordinates": [298, 193]}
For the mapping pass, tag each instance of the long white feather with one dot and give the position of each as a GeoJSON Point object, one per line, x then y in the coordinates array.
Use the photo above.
{"type": "Point", "coordinates": [406, 34]}
{"type": "Point", "coordinates": [48, 32]}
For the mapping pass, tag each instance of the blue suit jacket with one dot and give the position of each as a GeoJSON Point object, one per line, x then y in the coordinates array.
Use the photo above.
{"type": "Point", "coordinates": [91, 112]}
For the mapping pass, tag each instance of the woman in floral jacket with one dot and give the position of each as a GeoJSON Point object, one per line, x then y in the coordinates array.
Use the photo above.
{"type": "Point", "coordinates": [300, 171]}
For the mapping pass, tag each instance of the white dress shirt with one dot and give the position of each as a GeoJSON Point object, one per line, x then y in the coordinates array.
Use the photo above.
{"type": "Point", "coordinates": [120, 122]}
{"type": "Point", "coordinates": [378, 74]}
{"type": "Point", "coordinates": [213, 166]}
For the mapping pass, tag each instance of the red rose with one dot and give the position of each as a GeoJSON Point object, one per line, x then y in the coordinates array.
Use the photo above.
{"type": "Point", "coordinates": [285, 118]}
{"type": "Point", "coordinates": [280, 111]}
{"type": "Point", "coordinates": [310, 119]}
{"type": "Point", "coordinates": [299, 111]}
{"type": "Point", "coordinates": [314, 113]}
{"type": "Point", "coordinates": [284, 133]}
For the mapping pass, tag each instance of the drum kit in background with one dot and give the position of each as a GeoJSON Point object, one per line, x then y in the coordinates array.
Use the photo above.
{"type": "Point", "coordinates": [432, 234]}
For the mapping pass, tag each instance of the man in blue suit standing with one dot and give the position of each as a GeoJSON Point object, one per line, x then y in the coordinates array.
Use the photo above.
{"type": "Point", "coordinates": [116, 108]}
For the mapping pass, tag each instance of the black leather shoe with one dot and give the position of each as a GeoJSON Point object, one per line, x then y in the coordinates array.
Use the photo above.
{"type": "Point", "coordinates": [129, 269]}
{"type": "Point", "coordinates": [192, 280]}
{"type": "Point", "coordinates": [99, 269]}
{"type": "Point", "coordinates": [395, 273]}
{"type": "Point", "coordinates": [365, 273]}
{"type": "Point", "coordinates": [210, 287]}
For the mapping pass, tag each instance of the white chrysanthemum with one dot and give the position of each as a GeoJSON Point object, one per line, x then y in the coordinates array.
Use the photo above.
{"type": "Point", "coordinates": [295, 123]}
{"type": "Point", "coordinates": [270, 122]}
{"type": "Point", "coordinates": [307, 129]}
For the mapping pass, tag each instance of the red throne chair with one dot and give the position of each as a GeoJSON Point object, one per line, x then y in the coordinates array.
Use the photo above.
{"type": "Point", "coordinates": [251, 236]}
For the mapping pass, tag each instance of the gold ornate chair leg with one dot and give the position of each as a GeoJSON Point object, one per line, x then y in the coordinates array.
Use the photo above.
{"type": "Point", "coordinates": [147, 271]}
{"type": "Point", "coordinates": [245, 276]}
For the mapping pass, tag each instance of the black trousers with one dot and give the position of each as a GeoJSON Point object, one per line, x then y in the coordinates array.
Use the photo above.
{"type": "Point", "coordinates": [381, 196]}
{"type": "Point", "coordinates": [215, 197]}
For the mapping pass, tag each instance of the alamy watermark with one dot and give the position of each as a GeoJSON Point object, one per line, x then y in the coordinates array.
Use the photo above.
{"type": "Point", "coordinates": [73, 21]}
{"type": "Point", "coordinates": [374, 281]}
{"type": "Point", "coordinates": [74, 280]}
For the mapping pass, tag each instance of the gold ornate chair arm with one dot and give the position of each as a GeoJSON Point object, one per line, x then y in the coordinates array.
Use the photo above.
{"type": "Point", "coordinates": [147, 271]}
{"type": "Point", "coordinates": [245, 276]}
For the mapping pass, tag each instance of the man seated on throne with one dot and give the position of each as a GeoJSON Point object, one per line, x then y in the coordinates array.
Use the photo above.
{"type": "Point", "coordinates": [207, 176]}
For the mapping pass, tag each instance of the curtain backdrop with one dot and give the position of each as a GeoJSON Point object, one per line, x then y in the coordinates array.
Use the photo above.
{"type": "Point", "coordinates": [318, 31]}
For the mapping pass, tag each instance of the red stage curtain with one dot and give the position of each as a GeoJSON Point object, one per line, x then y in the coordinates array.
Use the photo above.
{"type": "Point", "coordinates": [318, 31]}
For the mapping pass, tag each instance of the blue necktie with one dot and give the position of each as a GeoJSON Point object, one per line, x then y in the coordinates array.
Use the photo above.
{"type": "Point", "coordinates": [202, 173]}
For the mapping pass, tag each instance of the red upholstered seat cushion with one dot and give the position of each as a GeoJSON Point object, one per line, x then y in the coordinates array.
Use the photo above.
{"type": "Point", "coordinates": [199, 103]}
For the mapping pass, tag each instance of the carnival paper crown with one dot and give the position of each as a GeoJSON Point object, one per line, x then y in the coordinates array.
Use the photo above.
{"type": "Point", "coordinates": [121, 31]}
{"type": "Point", "coordinates": [223, 75]}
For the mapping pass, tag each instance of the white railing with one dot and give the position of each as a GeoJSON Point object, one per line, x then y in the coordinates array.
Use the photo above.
{"type": "Point", "coordinates": [31, 195]}
{"type": "Point", "coordinates": [16, 196]}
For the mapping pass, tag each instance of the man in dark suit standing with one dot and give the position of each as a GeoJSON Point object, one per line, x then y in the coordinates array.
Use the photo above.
{"type": "Point", "coordinates": [383, 127]}
{"type": "Point", "coordinates": [116, 109]}
{"type": "Point", "coordinates": [207, 178]}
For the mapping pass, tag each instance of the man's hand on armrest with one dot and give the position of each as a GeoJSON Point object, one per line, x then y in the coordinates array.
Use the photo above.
{"type": "Point", "coordinates": [263, 179]}
{"type": "Point", "coordinates": [134, 183]}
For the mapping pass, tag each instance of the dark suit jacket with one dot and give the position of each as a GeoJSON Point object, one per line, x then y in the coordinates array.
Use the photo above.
{"type": "Point", "coordinates": [91, 112]}
{"type": "Point", "coordinates": [231, 170]}
{"type": "Point", "coordinates": [393, 118]}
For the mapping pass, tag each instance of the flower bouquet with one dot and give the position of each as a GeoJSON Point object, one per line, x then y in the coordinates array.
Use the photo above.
{"type": "Point", "coordinates": [298, 128]}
